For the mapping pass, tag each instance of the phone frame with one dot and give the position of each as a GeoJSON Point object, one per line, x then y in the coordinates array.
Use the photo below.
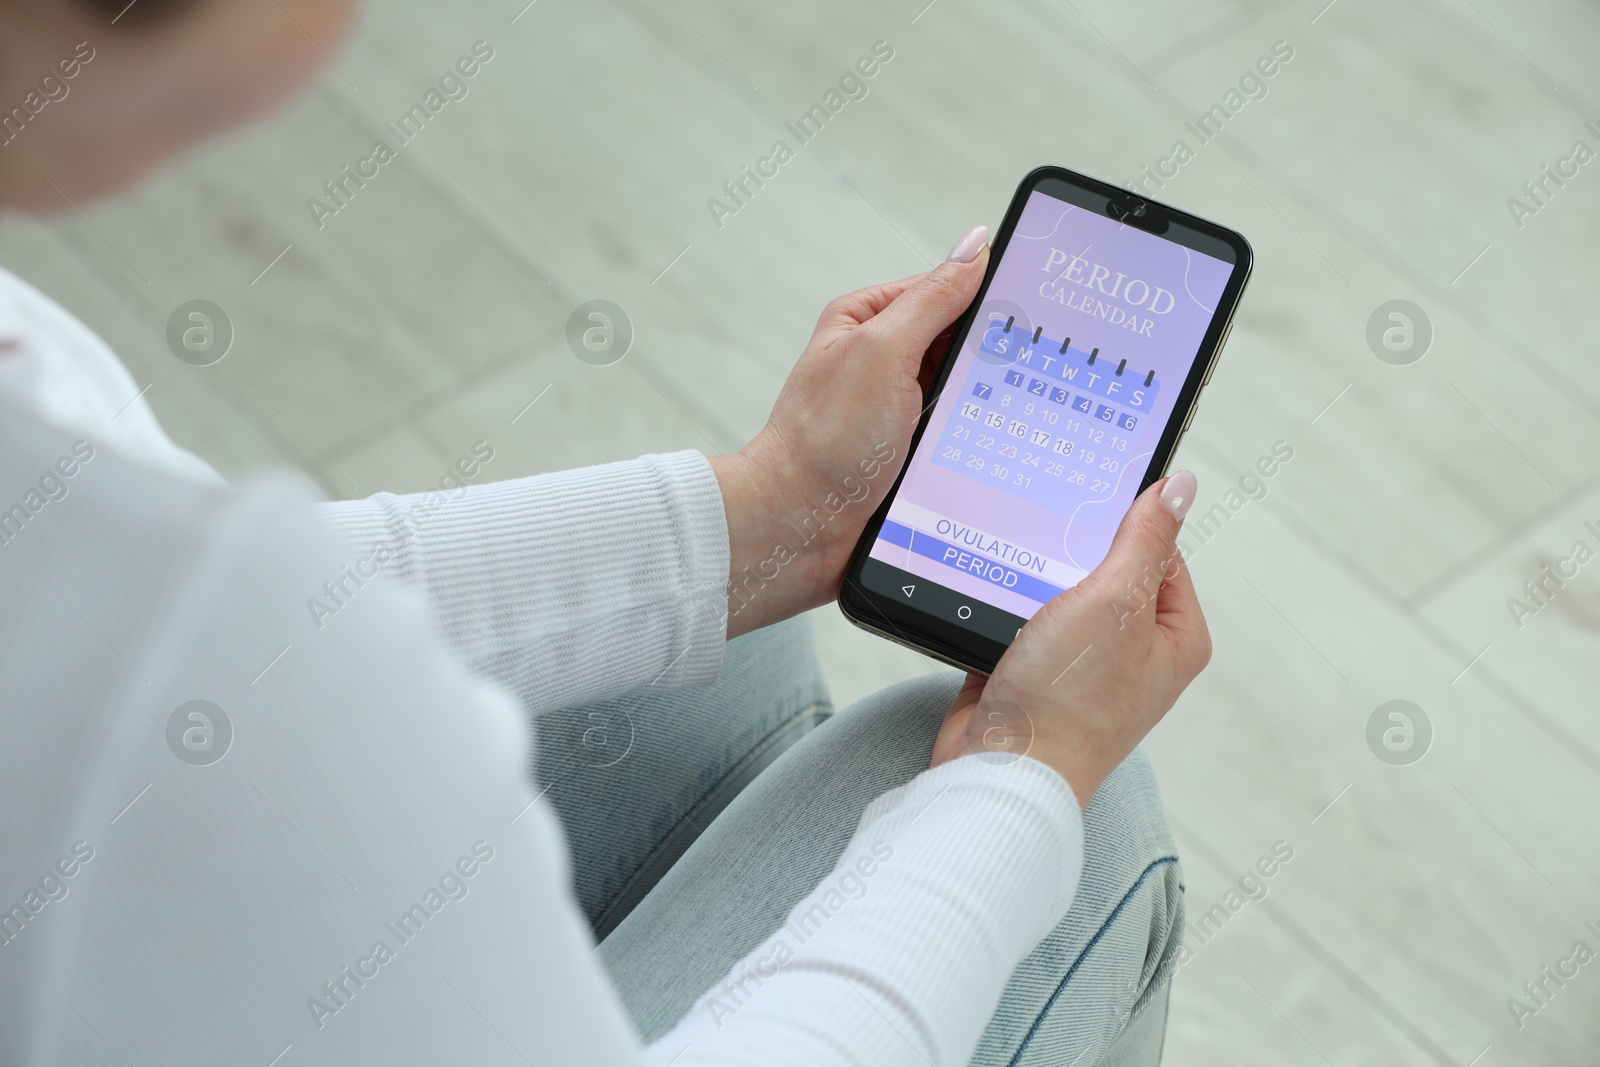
{"type": "Point", "coordinates": [944, 640]}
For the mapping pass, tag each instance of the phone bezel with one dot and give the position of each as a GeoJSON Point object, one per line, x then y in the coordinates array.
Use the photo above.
{"type": "Point", "coordinates": [945, 640]}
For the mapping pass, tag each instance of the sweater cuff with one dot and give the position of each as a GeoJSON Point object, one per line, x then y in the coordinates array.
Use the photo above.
{"type": "Point", "coordinates": [1033, 797]}
{"type": "Point", "coordinates": [949, 882]}
{"type": "Point", "coordinates": [569, 587]}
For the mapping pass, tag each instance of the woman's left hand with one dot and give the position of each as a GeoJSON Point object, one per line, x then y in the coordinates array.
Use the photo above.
{"type": "Point", "coordinates": [800, 493]}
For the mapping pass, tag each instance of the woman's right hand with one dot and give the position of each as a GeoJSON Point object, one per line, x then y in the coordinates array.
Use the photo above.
{"type": "Point", "coordinates": [1097, 667]}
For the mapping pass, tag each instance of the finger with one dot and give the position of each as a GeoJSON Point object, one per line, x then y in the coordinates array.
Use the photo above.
{"type": "Point", "coordinates": [1178, 605]}
{"type": "Point", "coordinates": [1179, 615]}
{"type": "Point", "coordinates": [853, 309]}
{"type": "Point", "coordinates": [932, 358]}
{"type": "Point", "coordinates": [1145, 548]}
{"type": "Point", "coordinates": [971, 692]}
{"type": "Point", "coordinates": [929, 305]}
{"type": "Point", "coordinates": [950, 743]}
{"type": "Point", "coordinates": [1178, 601]}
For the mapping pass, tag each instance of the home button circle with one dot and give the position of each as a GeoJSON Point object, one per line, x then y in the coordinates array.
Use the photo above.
{"type": "Point", "coordinates": [964, 612]}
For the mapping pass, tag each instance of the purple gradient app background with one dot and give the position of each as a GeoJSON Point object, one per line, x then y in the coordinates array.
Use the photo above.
{"type": "Point", "coordinates": [1069, 273]}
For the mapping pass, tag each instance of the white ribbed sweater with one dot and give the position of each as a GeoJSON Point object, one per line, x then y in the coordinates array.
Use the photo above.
{"type": "Point", "coordinates": [233, 910]}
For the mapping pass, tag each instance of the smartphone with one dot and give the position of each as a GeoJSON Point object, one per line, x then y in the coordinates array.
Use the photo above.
{"type": "Point", "coordinates": [1067, 386]}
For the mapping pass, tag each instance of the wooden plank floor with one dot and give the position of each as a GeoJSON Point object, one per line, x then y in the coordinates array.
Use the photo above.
{"type": "Point", "coordinates": [430, 311]}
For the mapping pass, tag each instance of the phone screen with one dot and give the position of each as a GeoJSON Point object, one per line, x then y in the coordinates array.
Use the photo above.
{"type": "Point", "coordinates": [1044, 430]}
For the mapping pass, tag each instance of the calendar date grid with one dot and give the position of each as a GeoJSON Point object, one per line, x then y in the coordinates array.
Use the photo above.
{"type": "Point", "coordinates": [1022, 431]}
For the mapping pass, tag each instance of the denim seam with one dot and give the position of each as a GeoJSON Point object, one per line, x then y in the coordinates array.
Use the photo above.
{"type": "Point", "coordinates": [1027, 1038]}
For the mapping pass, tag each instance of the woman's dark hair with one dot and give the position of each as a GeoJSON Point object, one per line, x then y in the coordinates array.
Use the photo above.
{"type": "Point", "coordinates": [139, 11]}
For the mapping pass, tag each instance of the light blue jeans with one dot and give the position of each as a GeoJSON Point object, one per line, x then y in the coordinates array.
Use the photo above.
{"type": "Point", "coordinates": [698, 819]}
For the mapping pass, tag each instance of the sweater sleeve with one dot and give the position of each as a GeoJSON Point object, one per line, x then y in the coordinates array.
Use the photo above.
{"type": "Point", "coordinates": [328, 842]}
{"type": "Point", "coordinates": [567, 588]}
{"type": "Point", "coordinates": [576, 586]}
{"type": "Point", "coordinates": [900, 956]}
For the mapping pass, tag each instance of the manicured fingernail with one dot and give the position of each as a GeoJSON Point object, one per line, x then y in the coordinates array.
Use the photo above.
{"type": "Point", "coordinates": [971, 243]}
{"type": "Point", "coordinates": [1178, 494]}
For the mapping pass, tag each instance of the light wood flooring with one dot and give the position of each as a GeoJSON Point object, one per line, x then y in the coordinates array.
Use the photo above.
{"type": "Point", "coordinates": [428, 313]}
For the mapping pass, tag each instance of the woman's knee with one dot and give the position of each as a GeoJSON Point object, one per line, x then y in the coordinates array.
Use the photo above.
{"type": "Point", "coordinates": [1131, 869]}
{"type": "Point", "coordinates": [1099, 981]}
{"type": "Point", "coordinates": [1125, 823]}
{"type": "Point", "coordinates": [898, 723]}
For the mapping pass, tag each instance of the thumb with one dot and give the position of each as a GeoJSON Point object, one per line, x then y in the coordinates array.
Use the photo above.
{"type": "Point", "coordinates": [1144, 552]}
{"type": "Point", "coordinates": [925, 309]}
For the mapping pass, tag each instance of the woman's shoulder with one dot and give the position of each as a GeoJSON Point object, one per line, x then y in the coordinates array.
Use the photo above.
{"type": "Point", "coordinates": [87, 533]}
{"type": "Point", "coordinates": [55, 365]}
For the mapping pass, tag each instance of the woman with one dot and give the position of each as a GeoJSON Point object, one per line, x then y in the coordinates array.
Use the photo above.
{"type": "Point", "coordinates": [233, 833]}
